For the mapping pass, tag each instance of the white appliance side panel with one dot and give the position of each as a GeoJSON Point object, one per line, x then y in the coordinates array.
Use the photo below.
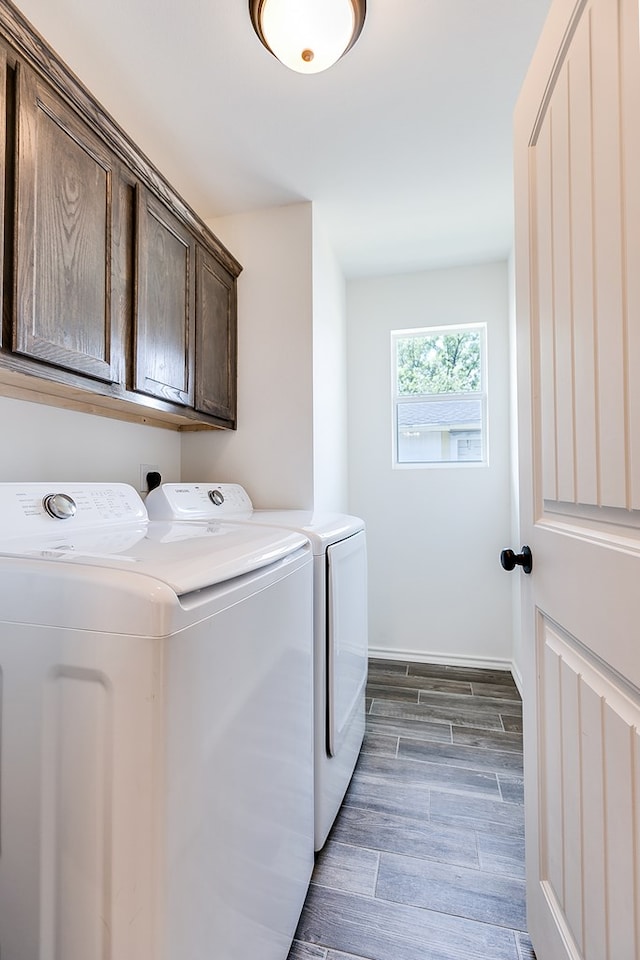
{"type": "Point", "coordinates": [78, 788]}
{"type": "Point", "coordinates": [240, 775]}
{"type": "Point", "coordinates": [347, 637]}
{"type": "Point", "coordinates": [76, 812]}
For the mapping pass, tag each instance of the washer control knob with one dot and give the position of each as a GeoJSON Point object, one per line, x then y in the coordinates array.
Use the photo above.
{"type": "Point", "coordinates": [59, 506]}
{"type": "Point", "coordinates": [217, 497]}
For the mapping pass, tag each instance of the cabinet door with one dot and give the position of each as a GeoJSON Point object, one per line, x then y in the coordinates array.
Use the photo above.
{"type": "Point", "coordinates": [216, 345]}
{"type": "Point", "coordinates": [165, 310]}
{"type": "Point", "coordinates": [3, 115]}
{"type": "Point", "coordinates": [65, 221]}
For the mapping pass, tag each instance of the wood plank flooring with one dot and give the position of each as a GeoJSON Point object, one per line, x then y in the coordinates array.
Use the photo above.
{"type": "Point", "coordinates": [426, 858]}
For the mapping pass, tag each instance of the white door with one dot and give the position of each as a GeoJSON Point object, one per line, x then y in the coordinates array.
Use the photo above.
{"type": "Point", "coordinates": [578, 314]}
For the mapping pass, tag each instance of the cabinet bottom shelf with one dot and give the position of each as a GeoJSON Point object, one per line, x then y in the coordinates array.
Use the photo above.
{"type": "Point", "coordinates": [132, 408]}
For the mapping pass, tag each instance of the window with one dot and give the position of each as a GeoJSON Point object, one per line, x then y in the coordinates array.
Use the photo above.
{"type": "Point", "coordinates": [439, 395]}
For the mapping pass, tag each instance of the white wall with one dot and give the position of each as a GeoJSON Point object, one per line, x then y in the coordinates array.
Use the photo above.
{"type": "Point", "coordinates": [290, 446]}
{"type": "Point", "coordinates": [329, 376]}
{"type": "Point", "coordinates": [271, 452]}
{"type": "Point", "coordinates": [40, 442]}
{"type": "Point", "coordinates": [434, 534]}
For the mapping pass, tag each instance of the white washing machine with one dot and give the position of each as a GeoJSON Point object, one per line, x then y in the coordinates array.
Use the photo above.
{"type": "Point", "coordinates": [156, 782]}
{"type": "Point", "coordinates": [340, 622]}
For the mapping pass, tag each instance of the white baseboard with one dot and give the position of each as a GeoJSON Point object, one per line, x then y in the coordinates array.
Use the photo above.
{"type": "Point", "coordinates": [517, 679]}
{"type": "Point", "coordinates": [413, 656]}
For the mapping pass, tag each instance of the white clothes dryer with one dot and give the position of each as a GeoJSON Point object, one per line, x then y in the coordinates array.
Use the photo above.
{"type": "Point", "coordinates": [156, 786]}
{"type": "Point", "coordinates": [340, 622]}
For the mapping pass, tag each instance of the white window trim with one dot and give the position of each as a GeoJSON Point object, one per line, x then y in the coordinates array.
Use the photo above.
{"type": "Point", "coordinates": [483, 395]}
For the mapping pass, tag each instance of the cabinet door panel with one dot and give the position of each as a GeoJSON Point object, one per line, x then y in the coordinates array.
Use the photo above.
{"type": "Point", "coordinates": [4, 273]}
{"type": "Point", "coordinates": [165, 314]}
{"type": "Point", "coordinates": [3, 148]}
{"type": "Point", "coordinates": [216, 339]}
{"type": "Point", "coordinates": [64, 227]}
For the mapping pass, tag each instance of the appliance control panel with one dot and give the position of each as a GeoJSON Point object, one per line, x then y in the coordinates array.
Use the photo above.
{"type": "Point", "coordinates": [198, 501]}
{"type": "Point", "coordinates": [42, 509]}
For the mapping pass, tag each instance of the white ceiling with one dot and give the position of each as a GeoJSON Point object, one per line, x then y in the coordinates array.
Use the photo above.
{"type": "Point", "coordinates": [404, 145]}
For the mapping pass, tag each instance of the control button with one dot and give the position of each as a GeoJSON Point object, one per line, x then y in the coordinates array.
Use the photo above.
{"type": "Point", "coordinates": [59, 506]}
{"type": "Point", "coordinates": [217, 497]}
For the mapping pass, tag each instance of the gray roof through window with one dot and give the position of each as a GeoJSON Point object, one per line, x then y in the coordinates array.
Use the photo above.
{"type": "Point", "coordinates": [435, 412]}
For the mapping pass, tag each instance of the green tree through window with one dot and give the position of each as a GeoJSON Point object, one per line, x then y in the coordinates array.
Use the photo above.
{"type": "Point", "coordinates": [446, 363]}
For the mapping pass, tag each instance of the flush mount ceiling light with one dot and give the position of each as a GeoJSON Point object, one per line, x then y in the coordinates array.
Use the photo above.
{"type": "Point", "coordinates": [308, 35]}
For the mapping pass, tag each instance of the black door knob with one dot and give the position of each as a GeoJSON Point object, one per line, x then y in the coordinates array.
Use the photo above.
{"type": "Point", "coordinates": [509, 559]}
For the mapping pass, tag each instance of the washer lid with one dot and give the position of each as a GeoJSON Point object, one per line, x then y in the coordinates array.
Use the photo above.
{"type": "Point", "coordinates": [109, 529]}
{"type": "Point", "coordinates": [185, 557]}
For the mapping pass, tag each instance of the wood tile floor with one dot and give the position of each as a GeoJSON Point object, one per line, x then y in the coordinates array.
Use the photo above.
{"type": "Point", "coordinates": [426, 858]}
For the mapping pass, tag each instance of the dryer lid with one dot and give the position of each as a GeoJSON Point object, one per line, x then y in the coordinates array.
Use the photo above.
{"type": "Point", "coordinates": [230, 501]}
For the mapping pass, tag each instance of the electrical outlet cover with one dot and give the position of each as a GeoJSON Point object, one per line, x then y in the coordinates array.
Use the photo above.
{"type": "Point", "coordinates": [146, 468]}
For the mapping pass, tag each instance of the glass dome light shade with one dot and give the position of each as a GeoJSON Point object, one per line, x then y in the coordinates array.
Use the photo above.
{"type": "Point", "coordinates": [307, 35]}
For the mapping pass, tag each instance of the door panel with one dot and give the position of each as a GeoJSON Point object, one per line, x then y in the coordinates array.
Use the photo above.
{"type": "Point", "coordinates": [558, 241]}
{"type": "Point", "coordinates": [579, 228]}
{"type": "Point", "coordinates": [581, 252]}
{"type": "Point", "coordinates": [589, 823]}
{"type": "Point", "coordinates": [578, 318]}
{"type": "Point", "coordinates": [3, 173]}
{"type": "Point", "coordinates": [216, 333]}
{"type": "Point", "coordinates": [165, 311]}
{"type": "Point", "coordinates": [608, 280]}
{"type": "Point", "coordinates": [66, 217]}
{"type": "Point", "coordinates": [630, 68]}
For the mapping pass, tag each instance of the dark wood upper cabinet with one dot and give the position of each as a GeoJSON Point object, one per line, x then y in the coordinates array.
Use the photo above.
{"type": "Point", "coordinates": [164, 327]}
{"type": "Point", "coordinates": [216, 348]}
{"type": "Point", "coordinates": [116, 297]}
{"type": "Point", "coordinates": [65, 221]}
{"type": "Point", "coordinates": [5, 274]}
